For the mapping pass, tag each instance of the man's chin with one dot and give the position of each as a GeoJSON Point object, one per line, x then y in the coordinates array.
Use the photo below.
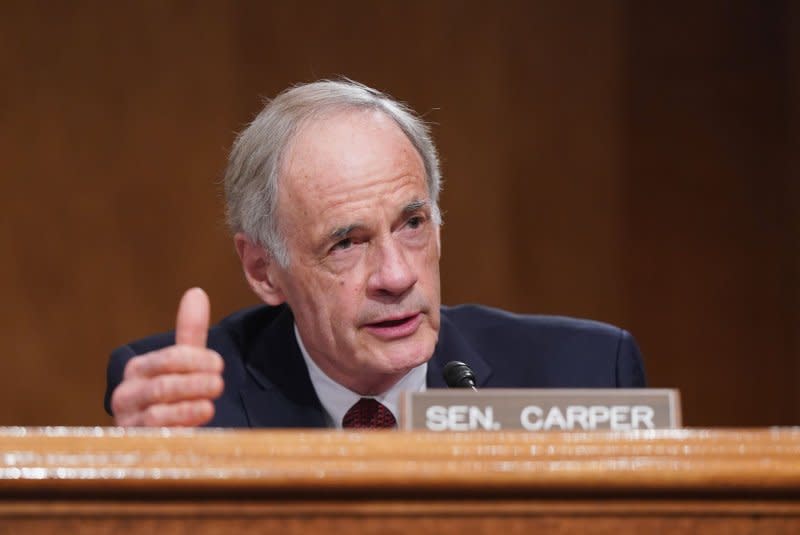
{"type": "Point", "coordinates": [384, 364]}
{"type": "Point", "coordinates": [403, 356]}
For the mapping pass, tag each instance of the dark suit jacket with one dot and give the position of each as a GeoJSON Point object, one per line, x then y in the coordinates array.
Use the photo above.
{"type": "Point", "coordinates": [267, 383]}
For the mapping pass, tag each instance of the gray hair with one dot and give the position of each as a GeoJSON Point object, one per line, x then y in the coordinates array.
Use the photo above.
{"type": "Point", "coordinates": [251, 178]}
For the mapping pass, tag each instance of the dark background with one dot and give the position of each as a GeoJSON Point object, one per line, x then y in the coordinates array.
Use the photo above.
{"type": "Point", "coordinates": [634, 162]}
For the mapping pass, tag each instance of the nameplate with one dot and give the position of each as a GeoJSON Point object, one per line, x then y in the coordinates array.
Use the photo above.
{"type": "Point", "coordinates": [559, 409]}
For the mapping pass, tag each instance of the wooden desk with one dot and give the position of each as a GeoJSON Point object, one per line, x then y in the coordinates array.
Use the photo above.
{"type": "Point", "coordinates": [106, 480]}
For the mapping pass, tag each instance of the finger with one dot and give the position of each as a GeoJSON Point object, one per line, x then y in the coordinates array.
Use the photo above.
{"type": "Point", "coordinates": [185, 413]}
{"type": "Point", "coordinates": [174, 359]}
{"type": "Point", "coordinates": [139, 394]}
{"type": "Point", "coordinates": [191, 325]}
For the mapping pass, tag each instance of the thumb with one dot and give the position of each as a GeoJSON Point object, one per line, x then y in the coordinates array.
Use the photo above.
{"type": "Point", "coordinates": [191, 326]}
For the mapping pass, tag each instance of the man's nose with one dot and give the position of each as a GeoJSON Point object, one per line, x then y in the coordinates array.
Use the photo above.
{"type": "Point", "coordinates": [391, 274]}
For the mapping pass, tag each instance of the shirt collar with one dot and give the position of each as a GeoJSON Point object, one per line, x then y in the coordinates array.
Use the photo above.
{"type": "Point", "coordinates": [337, 399]}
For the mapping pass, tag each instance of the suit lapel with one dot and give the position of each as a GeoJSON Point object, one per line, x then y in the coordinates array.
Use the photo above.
{"type": "Point", "coordinates": [453, 346]}
{"type": "Point", "coordinates": [278, 392]}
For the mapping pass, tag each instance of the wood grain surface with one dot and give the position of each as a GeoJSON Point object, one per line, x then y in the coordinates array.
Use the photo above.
{"type": "Point", "coordinates": [99, 480]}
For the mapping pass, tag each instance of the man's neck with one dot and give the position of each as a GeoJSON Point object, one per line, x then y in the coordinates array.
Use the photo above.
{"type": "Point", "coordinates": [336, 398]}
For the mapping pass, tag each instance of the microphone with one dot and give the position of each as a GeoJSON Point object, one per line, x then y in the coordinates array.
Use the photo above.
{"type": "Point", "coordinates": [458, 375]}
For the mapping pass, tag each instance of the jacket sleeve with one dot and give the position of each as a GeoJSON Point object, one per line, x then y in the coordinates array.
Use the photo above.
{"type": "Point", "coordinates": [630, 368]}
{"type": "Point", "coordinates": [116, 368]}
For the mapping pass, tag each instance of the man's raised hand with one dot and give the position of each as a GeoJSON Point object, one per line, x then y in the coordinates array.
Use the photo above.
{"type": "Point", "coordinates": [176, 385]}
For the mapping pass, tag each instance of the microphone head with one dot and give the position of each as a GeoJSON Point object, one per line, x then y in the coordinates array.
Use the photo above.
{"type": "Point", "coordinates": [458, 375]}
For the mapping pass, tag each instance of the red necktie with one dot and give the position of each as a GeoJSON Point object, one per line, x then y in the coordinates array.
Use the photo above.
{"type": "Point", "coordinates": [368, 414]}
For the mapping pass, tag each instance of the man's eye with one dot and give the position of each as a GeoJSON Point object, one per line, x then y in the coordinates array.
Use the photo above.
{"type": "Point", "coordinates": [415, 222]}
{"type": "Point", "coordinates": [342, 244]}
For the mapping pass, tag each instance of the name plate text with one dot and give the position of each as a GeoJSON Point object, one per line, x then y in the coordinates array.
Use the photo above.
{"type": "Point", "coordinates": [541, 409]}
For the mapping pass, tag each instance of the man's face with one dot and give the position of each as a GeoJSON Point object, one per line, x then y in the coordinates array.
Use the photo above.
{"type": "Point", "coordinates": [363, 277]}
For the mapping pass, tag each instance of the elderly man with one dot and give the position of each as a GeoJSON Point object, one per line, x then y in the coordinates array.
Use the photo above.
{"type": "Point", "coordinates": [332, 196]}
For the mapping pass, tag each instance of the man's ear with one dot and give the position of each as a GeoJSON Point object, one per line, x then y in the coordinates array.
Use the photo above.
{"type": "Point", "coordinates": [259, 269]}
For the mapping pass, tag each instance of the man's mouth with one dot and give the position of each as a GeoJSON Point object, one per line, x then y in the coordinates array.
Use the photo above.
{"type": "Point", "coordinates": [394, 328]}
{"type": "Point", "coordinates": [391, 323]}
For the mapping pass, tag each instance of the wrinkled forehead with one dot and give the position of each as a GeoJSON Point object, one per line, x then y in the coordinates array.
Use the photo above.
{"type": "Point", "coordinates": [346, 144]}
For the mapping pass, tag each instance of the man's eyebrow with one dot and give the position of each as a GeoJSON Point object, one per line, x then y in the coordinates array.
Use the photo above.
{"type": "Point", "coordinates": [342, 232]}
{"type": "Point", "coordinates": [415, 206]}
